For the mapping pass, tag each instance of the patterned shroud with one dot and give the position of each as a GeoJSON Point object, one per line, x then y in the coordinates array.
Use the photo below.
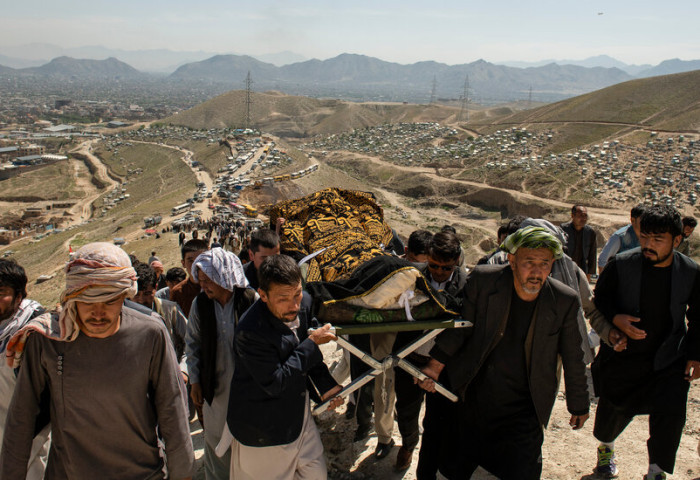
{"type": "Point", "coordinates": [348, 223]}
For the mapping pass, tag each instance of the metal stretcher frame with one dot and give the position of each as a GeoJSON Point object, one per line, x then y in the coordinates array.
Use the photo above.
{"type": "Point", "coordinates": [398, 359]}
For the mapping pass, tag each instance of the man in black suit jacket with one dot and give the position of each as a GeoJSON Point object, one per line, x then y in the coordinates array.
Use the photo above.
{"type": "Point", "coordinates": [505, 367]}
{"type": "Point", "coordinates": [581, 240]}
{"type": "Point", "coordinates": [278, 366]}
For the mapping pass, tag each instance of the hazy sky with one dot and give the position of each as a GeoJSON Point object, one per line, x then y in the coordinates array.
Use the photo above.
{"type": "Point", "coordinates": [453, 32]}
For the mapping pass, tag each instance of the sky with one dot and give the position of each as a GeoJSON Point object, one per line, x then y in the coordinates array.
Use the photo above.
{"type": "Point", "coordinates": [408, 31]}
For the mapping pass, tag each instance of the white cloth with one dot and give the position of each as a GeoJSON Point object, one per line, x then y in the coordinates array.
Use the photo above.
{"type": "Point", "coordinates": [39, 454]}
{"type": "Point", "coordinates": [222, 267]}
{"type": "Point", "coordinates": [300, 460]}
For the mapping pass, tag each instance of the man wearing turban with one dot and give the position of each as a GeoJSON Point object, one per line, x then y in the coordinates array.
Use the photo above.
{"type": "Point", "coordinates": [213, 317]}
{"type": "Point", "coordinates": [110, 376]}
{"type": "Point", "coordinates": [504, 368]}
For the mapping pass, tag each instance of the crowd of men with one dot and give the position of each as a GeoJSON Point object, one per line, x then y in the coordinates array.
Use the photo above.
{"type": "Point", "coordinates": [106, 386]}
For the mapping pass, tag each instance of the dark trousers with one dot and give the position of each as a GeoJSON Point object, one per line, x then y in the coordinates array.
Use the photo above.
{"type": "Point", "coordinates": [508, 447]}
{"type": "Point", "coordinates": [439, 448]}
{"type": "Point", "coordinates": [409, 398]}
{"type": "Point", "coordinates": [663, 396]}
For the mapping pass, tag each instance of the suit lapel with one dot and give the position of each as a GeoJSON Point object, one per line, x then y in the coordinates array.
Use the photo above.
{"type": "Point", "coordinates": [541, 318]}
{"type": "Point", "coordinates": [498, 309]}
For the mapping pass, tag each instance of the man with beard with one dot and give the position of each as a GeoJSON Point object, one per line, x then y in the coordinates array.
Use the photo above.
{"type": "Point", "coordinates": [648, 293]}
{"type": "Point", "coordinates": [214, 315]}
{"type": "Point", "coordinates": [505, 367]}
{"type": "Point", "coordinates": [109, 376]}
{"type": "Point", "coordinates": [15, 311]}
{"type": "Point", "coordinates": [278, 368]}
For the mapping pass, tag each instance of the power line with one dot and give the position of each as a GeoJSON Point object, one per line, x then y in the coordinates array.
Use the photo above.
{"type": "Point", "coordinates": [464, 112]}
{"type": "Point", "coordinates": [248, 100]}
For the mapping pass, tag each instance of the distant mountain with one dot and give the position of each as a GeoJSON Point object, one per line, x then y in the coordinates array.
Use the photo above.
{"type": "Point", "coordinates": [152, 60]}
{"type": "Point", "coordinates": [671, 66]}
{"type": "Point", "coordinates": [604, 61]}
{"type": "Point", "coordinates": [231, 69]}
{"type": "Point", "coordinates": [148, 60]}
{"type": "Point", "coordinates": [110, 68]}
{"type": "Point", "coordinates": [357, 76]}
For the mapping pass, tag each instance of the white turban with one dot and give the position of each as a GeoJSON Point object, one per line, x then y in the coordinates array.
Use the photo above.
{"type": "Point", "coordinates": [222, 267]}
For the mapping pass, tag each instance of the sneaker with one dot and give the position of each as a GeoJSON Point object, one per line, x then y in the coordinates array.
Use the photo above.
{"type": "Point", "coordinates": [607, 464]}
{"type": "Point", "coordinates": [655, 476]}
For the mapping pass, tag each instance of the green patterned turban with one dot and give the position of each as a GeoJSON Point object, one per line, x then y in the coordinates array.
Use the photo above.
{"type": "Point", "coordinates": [533, 237]}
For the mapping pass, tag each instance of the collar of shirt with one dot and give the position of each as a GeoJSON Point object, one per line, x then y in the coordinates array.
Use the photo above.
{"type": "Point", "coordinates": [293, 325]}
{"type": "Point", "coordinates": [441, 286]}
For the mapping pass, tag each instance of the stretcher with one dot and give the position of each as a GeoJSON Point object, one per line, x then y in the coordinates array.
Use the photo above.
{"type": "Point", "coordinates": [432, 329]}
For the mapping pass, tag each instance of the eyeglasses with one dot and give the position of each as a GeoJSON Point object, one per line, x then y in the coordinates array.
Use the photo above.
{"type": "Point", "coordinates": [446, 268]}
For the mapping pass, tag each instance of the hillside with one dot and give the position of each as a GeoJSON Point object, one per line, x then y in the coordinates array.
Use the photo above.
{"type": "Point", "coordinates": [359, 76]}
{"type": "Point", "coordinates": [71, 67]}
{"type": "Point", "coordinates": [670, 102]}
{"type": "Point", "coordinates": [294, 116]}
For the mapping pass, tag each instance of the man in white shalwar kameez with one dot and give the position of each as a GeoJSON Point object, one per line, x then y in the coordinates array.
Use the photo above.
{"type": "Point", "coordinates": [278, 367]}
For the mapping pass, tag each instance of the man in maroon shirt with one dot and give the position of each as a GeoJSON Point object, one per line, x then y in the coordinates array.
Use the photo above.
{"type": "Point", "coordinates": [185, 292]}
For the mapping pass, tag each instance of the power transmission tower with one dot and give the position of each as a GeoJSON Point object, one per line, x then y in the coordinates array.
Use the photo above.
{"type": "Point", "coordinates": [464, 112]}
{"type": "Point", "coordinates": [432, 94]}
{"type": "Point", "coordinates": [529, 98]}
{"type": "Point", "coordinates": [248, 100]}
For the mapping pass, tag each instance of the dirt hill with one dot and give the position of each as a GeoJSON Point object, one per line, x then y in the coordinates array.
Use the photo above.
{"type": "Point", "coordinates": [295, 116]}
{"type": "Point", "coordinates": [667, 103]}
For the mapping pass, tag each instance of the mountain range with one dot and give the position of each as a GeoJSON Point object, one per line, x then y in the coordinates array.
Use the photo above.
{"type": "Point", "coordinates": [360, 77]}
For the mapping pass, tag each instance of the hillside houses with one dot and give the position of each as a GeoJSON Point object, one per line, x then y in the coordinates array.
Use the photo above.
{"type": "Point", "coordinates": [662, 170]}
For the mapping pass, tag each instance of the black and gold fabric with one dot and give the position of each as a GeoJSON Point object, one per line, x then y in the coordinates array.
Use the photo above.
{"type": "Point", "coordinates": [372, 294]}
{"type": "Point", "coordinates": [349, 224]}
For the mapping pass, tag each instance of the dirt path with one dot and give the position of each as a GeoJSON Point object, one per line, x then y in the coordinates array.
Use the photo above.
{"type": "Point", "coordinates": [605, 216]}
{"type": "Point", "coordinates": [83, 210]}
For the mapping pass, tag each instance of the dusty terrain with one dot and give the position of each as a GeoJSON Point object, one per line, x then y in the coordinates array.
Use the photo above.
{"type": "Point", "coordinates": [567, 454]}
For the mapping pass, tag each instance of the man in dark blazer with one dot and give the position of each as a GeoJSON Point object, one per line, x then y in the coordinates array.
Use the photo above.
{"type": "Point", "coordinates": [505, 368]}
{"type": "Point", "coordinates": [581, 240]}
{"type": "Point", "coordinates": [650, 294]}
{"type": "Point", "coordinates": [278, 367]}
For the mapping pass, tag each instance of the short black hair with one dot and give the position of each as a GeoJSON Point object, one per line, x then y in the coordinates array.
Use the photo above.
{"type": "Point", "coordinates": [514, 224]}
{"type": "Point", "coordinates": [13, 275]}
{"type": "Point", "coordinates": [193, 245]}
{"type": "Point", "coordinates": [419, 242]}
{"type": "Point", "coordinates": [661, 219]}
{"type": "Point", "coordinates": [573, 209]}
{"type": "Point", "coordinates": [175, 274]}
{"type": "Point", "coordinates": [448, 228]}
{"type": "Point", "coordinates": [145, 276]}
{"type": "Point", "coordinates": [279, 269]}
{"type": "Point", "coordinates": [638, 210]}
{"type": "Point", "coordinates": [445, 247]}
{"type": "Point", "coordinates": [689, 222]}
{"type": "Point", "coordinates": [263, 237]}
{"type": "Point", "coordinates": [502, 230]}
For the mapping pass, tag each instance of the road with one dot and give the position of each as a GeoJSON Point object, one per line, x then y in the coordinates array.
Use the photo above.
{"type": "Point", "coordinates": [597, 214]}
{"type": "Point", "coordinates": [82, 211]}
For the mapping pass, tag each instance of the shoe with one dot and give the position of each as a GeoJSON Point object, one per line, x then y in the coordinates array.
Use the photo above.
{"type": "Point", "coordinates": [361, 433]}
{"type": "Point", "coordinates": [403, 459]}
{"type": "Point", "coordinates": [383, 449]}
{"type": "Point", "coordinates": [655, 476]}
{"type": "Point", "coordinates": [607, 463]}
